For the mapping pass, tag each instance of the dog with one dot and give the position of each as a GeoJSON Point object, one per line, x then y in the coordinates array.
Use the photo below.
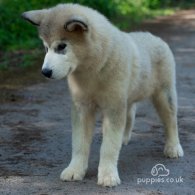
{"type": "Point", "coordinates": [108, 71]}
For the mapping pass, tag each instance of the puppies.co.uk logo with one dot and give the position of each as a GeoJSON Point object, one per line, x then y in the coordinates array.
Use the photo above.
{"type": "Point", "coordinates": [160, 175]}
{"type": "Point", "coordinates": [159, 170]}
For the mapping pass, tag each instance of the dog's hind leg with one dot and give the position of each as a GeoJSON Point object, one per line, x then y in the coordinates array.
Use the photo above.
{"type": "Point", "coordinates": [129, 124]}
{"type": "Point", "coordinates": [165, 102]}
{"type": "Point", "coordinates": [83, 120]}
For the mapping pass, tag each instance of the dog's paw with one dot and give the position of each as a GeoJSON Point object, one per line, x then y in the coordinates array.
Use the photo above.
{"type": "Point", "coordinates": [72, 174]}
{"type": "Point", "coordinates": [126, 140]}
{"type": "Point", "coordinates": [173, 151]}
{"type": "Point", "coordinates": [108, 179]}
{"type": "Point", "coordinates": [127, 137]}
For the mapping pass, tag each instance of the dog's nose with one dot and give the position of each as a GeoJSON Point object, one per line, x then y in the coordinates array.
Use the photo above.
{"type": "Point", "coordinates": [47, 72]}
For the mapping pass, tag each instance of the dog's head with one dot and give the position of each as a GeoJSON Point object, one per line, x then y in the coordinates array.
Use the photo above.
{"type": "Point", "coordinates": [66, 35]}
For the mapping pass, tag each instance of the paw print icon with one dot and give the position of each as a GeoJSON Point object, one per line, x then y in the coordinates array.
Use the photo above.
{"type": "Point", "coordinates": [159, 170]}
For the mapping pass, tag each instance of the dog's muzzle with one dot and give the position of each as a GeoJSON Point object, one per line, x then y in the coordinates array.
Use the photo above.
{"type": "Point", "coordinates": [47, 72]}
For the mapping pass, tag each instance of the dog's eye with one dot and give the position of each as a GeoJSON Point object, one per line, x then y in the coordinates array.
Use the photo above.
{"type": "Point", "coordinates": [46, 49]}
{"type": "Point", "coordinates": [61, 47]}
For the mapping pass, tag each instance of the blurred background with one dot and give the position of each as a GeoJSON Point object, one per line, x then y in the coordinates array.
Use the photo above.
{"type": "Point", "coordinates": [19, 43]}
{"type": "Point", "coordinates": [35, 124]}
{"type": "Point", "coordinates": [21, 51]}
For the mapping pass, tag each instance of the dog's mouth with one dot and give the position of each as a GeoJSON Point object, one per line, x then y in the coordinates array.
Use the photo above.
{"type": "Point", "coordinates": [69, 71]}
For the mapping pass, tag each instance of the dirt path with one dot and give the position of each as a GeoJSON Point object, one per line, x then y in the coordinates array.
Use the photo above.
{"type": "Point", "coordinates": [35, 133]}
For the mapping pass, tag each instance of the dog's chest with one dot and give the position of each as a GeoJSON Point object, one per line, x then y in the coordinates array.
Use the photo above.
{"type": "Point", "coordinates": [84, 91]}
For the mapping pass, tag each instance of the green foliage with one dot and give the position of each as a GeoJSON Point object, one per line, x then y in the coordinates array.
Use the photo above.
{"type": "Point", "coordinates": [16, 34]}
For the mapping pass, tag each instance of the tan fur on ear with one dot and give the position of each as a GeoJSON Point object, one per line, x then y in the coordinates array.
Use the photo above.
{"type": "Point", "coordinates": [76, 23]}
{"type": "Point", "coordinates": [34, 17]}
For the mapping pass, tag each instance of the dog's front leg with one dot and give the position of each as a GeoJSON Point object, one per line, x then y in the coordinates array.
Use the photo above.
{"type": "Point", "coordinates": [83, 119]}
{"type": "Point", "coordinates": [113, 129]}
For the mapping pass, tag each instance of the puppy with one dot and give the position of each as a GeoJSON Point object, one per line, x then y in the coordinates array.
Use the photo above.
{"type": "Point", "coordinates": [110, 71]}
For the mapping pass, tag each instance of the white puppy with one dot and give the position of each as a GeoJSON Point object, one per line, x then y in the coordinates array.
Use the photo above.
{"type": "Point", "coordinates": [107, 70]}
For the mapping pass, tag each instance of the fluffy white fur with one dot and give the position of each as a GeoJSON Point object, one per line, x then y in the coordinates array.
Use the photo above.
{"type": "Point", "coordinates": [111, 71]}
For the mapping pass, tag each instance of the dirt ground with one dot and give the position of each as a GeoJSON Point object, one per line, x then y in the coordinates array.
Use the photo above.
{"type": "Point", "coordinates": [35, 132]}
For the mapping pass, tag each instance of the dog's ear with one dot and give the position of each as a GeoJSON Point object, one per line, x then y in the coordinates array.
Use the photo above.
{"type": "Point", "coordinates": [76, 24]}
{"type": "Point", "coordinates": [34, 17]}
